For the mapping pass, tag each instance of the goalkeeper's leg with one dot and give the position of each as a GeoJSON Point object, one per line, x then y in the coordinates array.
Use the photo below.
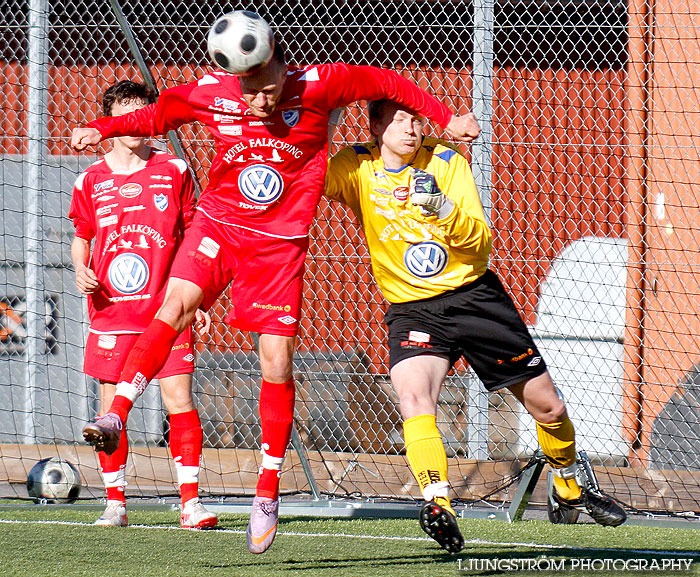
{"type": "Point", "coordinates": [571, 492]}
{"type": "Point", "coordinates": [417, 381]}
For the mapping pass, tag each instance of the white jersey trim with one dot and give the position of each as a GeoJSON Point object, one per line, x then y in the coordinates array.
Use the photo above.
{"type": "Point", "coordinates": [96, 332]}
{"type": "Point", "coordinates": [251, 229]}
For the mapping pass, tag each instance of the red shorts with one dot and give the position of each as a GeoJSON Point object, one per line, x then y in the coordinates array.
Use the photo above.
{"type": "Point", "coordinates": [266, 274]}
{"type": "Point", "coordinates": [105, 356]}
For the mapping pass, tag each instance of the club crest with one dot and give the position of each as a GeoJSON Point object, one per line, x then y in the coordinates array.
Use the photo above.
{"type": "Point", "coordinates": [161, 201]}
{"type": "Point", "coordinates": [290, 117]}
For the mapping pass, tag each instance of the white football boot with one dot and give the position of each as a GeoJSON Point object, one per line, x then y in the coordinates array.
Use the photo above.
{"type": "Point", "coordinates": [194, 515]}
{"type": "Point", "coordinates": [114, 515]}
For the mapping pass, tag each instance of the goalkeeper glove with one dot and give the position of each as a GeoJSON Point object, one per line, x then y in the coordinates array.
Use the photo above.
{"type": "Point", "coordinates": [426, 194]}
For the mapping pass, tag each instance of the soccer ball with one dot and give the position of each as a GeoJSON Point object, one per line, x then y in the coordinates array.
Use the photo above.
{"type": "Point", "coordinates": [53, 480]}
{"type": "Point", "coordinates": [240, 41]}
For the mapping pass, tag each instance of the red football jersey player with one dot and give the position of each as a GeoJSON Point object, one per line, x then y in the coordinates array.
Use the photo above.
{"type": "Point", "coordinates": [136, 220]}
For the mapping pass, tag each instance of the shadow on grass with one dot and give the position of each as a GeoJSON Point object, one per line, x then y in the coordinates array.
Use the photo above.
{"type": "Point", "coordinates": [358, 562]}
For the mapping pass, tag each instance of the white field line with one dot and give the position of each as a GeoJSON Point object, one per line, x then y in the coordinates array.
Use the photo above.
{"type": "Point", "coordinates": [382, 538]}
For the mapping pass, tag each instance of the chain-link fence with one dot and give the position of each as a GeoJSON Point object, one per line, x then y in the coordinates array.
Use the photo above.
{"type": "Point", "coordinates": [587, 166]}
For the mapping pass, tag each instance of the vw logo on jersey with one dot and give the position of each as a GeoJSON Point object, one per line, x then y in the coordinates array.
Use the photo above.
{"type": "Point", "coordinates": [260, 183]}
{"type": "Point", "coordinates": [161, 201]}
{"type": "Point", "coordinates": [128, 273]}
{"type": "Point", "coordinates": [290, 117]}
{"type": "Point", "coordinates": [425, 259]}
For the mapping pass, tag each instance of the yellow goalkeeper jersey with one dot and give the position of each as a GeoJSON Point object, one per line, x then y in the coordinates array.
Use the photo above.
{"type": "Point", "coordinates": [413, 256]}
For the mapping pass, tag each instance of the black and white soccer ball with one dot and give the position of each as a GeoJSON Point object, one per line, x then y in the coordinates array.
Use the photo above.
{"type": "Point", "coordinates": [54, 480]}
{"type": "Point", "coordinates": [240, 42]}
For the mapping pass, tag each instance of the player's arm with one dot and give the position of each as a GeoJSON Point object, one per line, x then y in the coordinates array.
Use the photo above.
{"type": "Point", "coordinates": [82, 214]}
{"type": "Point", "coordinates": [342, 180]}
{"type": "Point", "coordinates": [85, 277]}
{"type": "Point", "coordinates": [450, 200]}
{"type": "Point", "coordinates": [188, 199]}
{"type": "Point", "coordinates": [171, 110]}
{"type": "Point", "coordinates": [348, 83]}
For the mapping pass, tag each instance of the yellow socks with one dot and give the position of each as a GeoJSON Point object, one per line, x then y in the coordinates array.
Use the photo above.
{"type": "Point", "coordinates": [558, 445]}
{"type": "Point", "coordinates": [426, 456]}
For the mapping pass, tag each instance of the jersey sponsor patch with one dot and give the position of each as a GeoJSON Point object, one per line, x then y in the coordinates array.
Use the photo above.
{"type": "Point", "coordinates": [161, 201]}
{"type": "Point", "coordinates": [128, 273]}
{"type": "Point", "coordinates": [226, 118]}
{"type": "Point", "coordinates": [260, 184]}
{"type": "Point", "coordinates": [401, 193]}
{"type": "Point", "coordinates": [418, 336]}
{"type": "Point", "coordinates": [209, 247]}
{"type": "Point", "coordinates": [130, 189]}
{"type": "Point", "coordinates": [107, 342]}
{"type": "Point", "coordinates": [106, 209]}
{"type": "Point", "coordinates": [108, 220]}
{"type": "Point", "coordinates": [105, 184]}
{"type": "Point", "coordinates": [231, 130]}
{"type": "Point", "coordinates": [425, 259]}
{"type": "Point", "coordinates": [226, 104]}
{"type": "Point", "coordinates": [291, 117]}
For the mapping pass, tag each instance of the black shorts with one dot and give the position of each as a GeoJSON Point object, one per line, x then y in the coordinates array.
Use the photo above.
{"type": "Point", "coordinates": [478, 321]}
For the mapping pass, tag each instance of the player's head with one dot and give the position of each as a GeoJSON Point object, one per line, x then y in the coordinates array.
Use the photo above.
{"type": "Point", "coordinates": [262, 89]}
{"type": "Point", "coordinates": [397, 129]}
{"type": "Point", "coordinates": [126, 94]}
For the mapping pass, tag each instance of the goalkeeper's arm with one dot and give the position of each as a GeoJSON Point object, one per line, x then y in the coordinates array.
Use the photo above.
{"type": "Point", "coordinates": [426, 194]}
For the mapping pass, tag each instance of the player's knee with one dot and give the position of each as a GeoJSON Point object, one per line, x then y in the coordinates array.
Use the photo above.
{"type": "Point", "coordinates": [276, 360]}
{"type": "Point", "coordinates": [177, 399]}
{"type": "Point", "coordinates": [413, 403]}
{"type": "Point", "coordinates": [277, 367]}
{"type": "Point", "coordinates": [278, 371]}
{"type": "Point", "coordinates": [552, 412]}
{"type": "Point", "coordinates": [177, 312]}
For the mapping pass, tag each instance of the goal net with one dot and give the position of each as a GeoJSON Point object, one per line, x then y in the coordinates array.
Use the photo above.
{"type": "Point", "coordinates": [587, 167]}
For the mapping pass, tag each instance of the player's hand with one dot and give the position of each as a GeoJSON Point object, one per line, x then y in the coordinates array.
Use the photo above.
{"type": "Point", "coordinates": [202, 322]}
{"type": "Point", "coordinates": [463, 128]}
{"type": "Point", "coordinates": [426, 193]}
{"type": "Point", "coordinates": [86, 281]}
{"type": "Point", "coordinates": [85, 136]}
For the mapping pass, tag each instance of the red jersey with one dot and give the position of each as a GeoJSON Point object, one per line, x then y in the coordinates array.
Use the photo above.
{"type": "Point", "coordinates": [137, 220]}
{"type": "Point", "coordinates": [268, 173]}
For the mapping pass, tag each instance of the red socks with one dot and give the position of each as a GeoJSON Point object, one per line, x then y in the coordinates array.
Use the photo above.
{"type": "Point", "coordinates": [276, 420]}
{"type": "Point", "coordinates": [148, 356]}
{"type": "Point", "coordinates": [186, 448]}
{"type": "Point", "coordinates": [114, 469]}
